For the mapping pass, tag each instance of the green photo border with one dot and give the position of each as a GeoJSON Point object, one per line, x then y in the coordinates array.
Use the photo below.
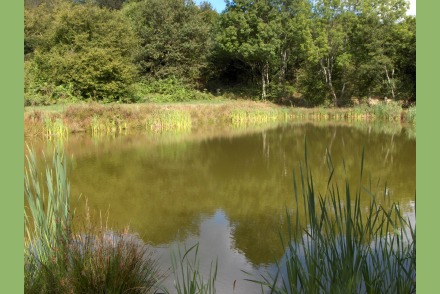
{"type": "Point", "coordinates": [12, 161]}
{"type": "Point", "coordinates": [12, 147]}
{"type": "Point", "coordinates": [427, 145]}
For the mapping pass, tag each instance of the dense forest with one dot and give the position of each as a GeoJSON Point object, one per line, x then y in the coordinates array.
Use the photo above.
{"type": "Point", "coordinates": [319, 52]}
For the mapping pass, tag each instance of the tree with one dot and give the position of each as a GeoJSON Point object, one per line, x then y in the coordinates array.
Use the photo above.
{"type": "Point", "coordinates": [87, 49]}
{"type": "Point", "coordinates": [248, 32]}
{"type": "Point", "coordinates": [175, 37]}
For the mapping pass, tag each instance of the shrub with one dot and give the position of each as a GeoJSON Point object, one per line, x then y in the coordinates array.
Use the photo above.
{"type": "Point", "coordinates": [168, 90]}
{"type": "Point", "coordinates": [87, 50]}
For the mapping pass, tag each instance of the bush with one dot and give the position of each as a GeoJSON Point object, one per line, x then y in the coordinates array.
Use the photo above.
{"type": "Point", "coordinates": [87, 50]}
{"type": "Point", "coordinates": [167, 90]}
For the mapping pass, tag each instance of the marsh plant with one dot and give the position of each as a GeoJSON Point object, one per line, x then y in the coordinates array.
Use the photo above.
{"type": "Point", "coordinates": [411, 115]}
{"type": "Point", "coordinates": [55, 128]}
{"type": "Point", "coordinates": [100, 125]}
{"type": "Point", "coordinates": [58, 260]}
{"type": "Point", "coordinates": [344, 247]}
{"type": "Point", "coordinates": [169, 120]}
{"type": "Point", "coordinates": [188, 279]}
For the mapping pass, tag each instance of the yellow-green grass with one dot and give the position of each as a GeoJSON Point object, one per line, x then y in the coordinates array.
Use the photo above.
{"type": "Point", "coordinates": [116, 118]}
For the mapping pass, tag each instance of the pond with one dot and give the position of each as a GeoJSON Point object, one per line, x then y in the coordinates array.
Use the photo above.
{"type": "Point", "coordinates": [227, 189]}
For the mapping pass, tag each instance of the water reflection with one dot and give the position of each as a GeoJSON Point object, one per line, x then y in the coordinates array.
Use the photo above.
{"type": "Point", "coordinates": [228, 189]}
{"type": "Point", "coordinates": [216, 241]}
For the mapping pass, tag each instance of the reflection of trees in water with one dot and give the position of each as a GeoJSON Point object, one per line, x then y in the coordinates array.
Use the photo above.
{"type": "Point", "coordinates": [164, 189]}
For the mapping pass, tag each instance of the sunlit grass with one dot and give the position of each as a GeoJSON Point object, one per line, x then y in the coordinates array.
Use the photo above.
{"type": "Point", "coordinates": [116, 118]}
{"type": "Point", "coordinates": [166, 120]}
{"type": "Point", "coordinates": [55, 128]}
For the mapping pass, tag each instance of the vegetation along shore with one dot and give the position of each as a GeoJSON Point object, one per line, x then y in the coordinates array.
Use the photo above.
{"type": "Point", "coordinates": [60, 120]}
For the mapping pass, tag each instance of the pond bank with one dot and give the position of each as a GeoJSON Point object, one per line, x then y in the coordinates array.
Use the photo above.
{"type": "Point", "coordinates": [115, 118]}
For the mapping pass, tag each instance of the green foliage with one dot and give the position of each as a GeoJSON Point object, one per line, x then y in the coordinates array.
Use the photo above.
{"type": "Point", "coordinates": [86, 49]}
{"type": "Point", "coordinates": [167, 90]}
{"type": "Point", "coordinates": [328, 51]}
{"type": "Point", "coordinates": [174, 38]}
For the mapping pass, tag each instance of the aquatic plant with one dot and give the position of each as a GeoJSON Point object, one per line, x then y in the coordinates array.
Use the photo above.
{"type": "Point", "coordinates": [166, 120]}
{"type": "Point", "coordinates": [343, 247]}
{"type": "Point", "coordinates": [54, 127]}
{"type": "Point", "coordinates": [59, 261]}
{"type": "Point", "coordinates": [387, 111]}
{"type": "Point", "coordinates": [187, 276]}
{"type": "Point", "coordinates": [411, 115]}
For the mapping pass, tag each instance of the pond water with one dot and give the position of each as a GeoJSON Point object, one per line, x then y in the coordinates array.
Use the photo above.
{"type": "Point", "coordinates": [227, 189]}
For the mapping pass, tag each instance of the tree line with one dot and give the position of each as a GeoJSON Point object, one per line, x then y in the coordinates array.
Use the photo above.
{"type": "Point", "coordinates": [322, 51]}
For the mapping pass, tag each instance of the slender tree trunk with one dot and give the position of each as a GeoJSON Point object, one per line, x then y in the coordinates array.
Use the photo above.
{"type": "Point", "coordinates": [263, 85]}
{"type": "Point", "coordinates": [328, 80]}
{"type": "Point", "coordinates": [283, 72]}
{"type": "Point", "coordinates": [390, 81]}
{"type": "Point", "coordinates": [264, 80]}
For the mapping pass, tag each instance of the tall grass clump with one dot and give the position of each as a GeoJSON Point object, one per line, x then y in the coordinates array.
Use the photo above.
{"type": "Point", "coordinates": [58, 260]}
{"type": "Point", "coordinates": [411, 115]}
{"type": "Point", "coordinates": [239, 117]}
{"type": "Point", "coordinates": [187, 276]}
{"type": "Point", "coordinates": [169, 120]}
{"type": "Point", "coordinates": [55, 128]}
{"type": "Point", "coordinates": [344, 247]}
{"type": "Point", "coordinates": [387, 111]}
{"type": "Point", "coordinates": [100, 125]}
{"type": "Point", "coordinates": [48, 223]}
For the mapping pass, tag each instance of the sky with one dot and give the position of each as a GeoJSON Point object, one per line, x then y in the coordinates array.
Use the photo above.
{"type": "Point", "coordinates": [412, 7]}
{"type": "Point", "coordinates": [219, 5]}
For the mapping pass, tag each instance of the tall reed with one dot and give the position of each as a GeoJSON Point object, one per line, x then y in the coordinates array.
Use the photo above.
{"type": "Point", "coordinates": [54, 127]}
{"type": "Point", "coordinates": [344, 247]}
{"type": "Point", "coordinates": [48, 222]}
{"type": "Point", "coordinates": [59, 261]}
{"type": "Point", "coordinates": [411, 115]}
{"type": "Point", "coordinates": [187, 276]}
{"type": "Point", "coordinates": [169, 120]}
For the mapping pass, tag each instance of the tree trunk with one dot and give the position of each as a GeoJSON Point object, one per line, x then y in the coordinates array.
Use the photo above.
{"type": "Point", "coordinates": [283, 72]}
{"type": "Point", "coordinates": [390, 81]}
{"type": "Point", "coordinates": [263, 85]}
{"type": "Point", "coordinates": [328, 80]}
{"type": "Point", "coordinates": [264, 80]}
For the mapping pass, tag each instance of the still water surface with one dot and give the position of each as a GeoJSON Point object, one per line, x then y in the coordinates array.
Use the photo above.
{"type": "Point", "coordinates": [228, 189]}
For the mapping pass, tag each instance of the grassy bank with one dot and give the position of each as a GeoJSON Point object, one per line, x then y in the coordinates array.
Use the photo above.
{"type": "Point", "coordinates": [60, 120]}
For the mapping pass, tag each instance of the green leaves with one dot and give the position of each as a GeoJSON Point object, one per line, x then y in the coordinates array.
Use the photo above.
{"type": "Point", "coordinates": [174, 37]}
{"type": "Point", "coordinates": [86, 47]}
